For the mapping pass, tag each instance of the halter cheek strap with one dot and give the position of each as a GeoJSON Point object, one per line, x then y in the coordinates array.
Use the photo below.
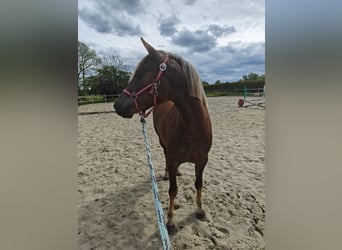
{"type": "Point", "coordinates": [153, 86]}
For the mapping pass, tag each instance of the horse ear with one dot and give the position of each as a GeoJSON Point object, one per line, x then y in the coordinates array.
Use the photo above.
{"type": "Point", "coordinates": [151, 51]}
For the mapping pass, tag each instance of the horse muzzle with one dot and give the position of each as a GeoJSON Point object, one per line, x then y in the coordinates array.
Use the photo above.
{"type": "Point", "coordinates": [122, 110]}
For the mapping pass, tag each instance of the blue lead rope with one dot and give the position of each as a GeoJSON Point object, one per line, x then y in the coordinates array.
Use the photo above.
{"type": "Point", "coordinates": [159, 209]}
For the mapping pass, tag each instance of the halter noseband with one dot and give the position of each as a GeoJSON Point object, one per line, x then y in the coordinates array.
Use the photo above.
{"type": "Point", "coordinates": [153, 91]}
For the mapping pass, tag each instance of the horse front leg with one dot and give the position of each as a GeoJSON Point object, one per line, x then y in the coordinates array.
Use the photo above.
{"type": "Point", "coordinates": [172, 170]}
{"type": "Point", "coordinates": [199, 167]}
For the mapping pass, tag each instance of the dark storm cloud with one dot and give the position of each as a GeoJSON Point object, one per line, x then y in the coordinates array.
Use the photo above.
{"type": "Point", "coordinates": [115, 17]}
{"type": "Point", "coordinates": [167, 26]}
{"type": "Point", "coordinates": [189, 2]}
{"type": "Point", "coordinates": [218, 30]}
{"type": "Point", "coordinates": [195, 41]}
{"type": "Point", "coordinates": [98, 22]}
{"type": "Point", "coordinates": [130, 6]}
{"type": "Point", "coordinates": [112, 7]}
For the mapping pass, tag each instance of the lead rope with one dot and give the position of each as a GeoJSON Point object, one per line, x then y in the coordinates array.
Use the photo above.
{"type": "Point", "coordinates": [157, 204]}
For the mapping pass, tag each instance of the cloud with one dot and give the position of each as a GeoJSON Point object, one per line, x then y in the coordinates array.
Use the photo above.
{"type": "Point", "coordinates": [184, 31]}
{"type": "Point", "coordinates": [230, 62]}
{"type": "Point", "coordinates": [246, 53]}
{"type": "Point", "coordinates": [195, 41]}
{"type": "Point", "coordinates": [199, 40]}
{"type": "Point", "coordinates": [97, 22]}
{"type": "Point", "coordinates": [189, 2]}
{"type": "Point", "coordinates": [113, 17]}
{"type": "Point", "coordinates": [167, 26]}
{"type": "Point", "coordinates": [218, 31]}
{"type": "Point", "coordinates": [112, 7]}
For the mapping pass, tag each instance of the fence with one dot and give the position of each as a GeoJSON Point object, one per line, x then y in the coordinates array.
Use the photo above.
{"type": "Point", "coordinates": [237, 92]}
{"type": "Point", "coordinates": [255, 92]}
{"type": "Point", "coordinates": [111, 98]}
{"type": "Point", "coordinates": [96, 99]}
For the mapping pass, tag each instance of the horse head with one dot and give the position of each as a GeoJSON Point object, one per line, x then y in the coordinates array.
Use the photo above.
{"type": "Point", "coordinates": [144, 89]}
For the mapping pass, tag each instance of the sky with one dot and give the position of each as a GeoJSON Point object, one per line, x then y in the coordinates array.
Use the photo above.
{"type": "Point", "coordinates": [222, 39]}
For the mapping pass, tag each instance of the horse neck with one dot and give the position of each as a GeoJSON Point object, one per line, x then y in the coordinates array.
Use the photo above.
{"type": "Point", "coordinates": [194, 112]}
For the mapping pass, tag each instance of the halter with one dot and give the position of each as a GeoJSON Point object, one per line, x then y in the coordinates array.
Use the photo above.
{"type": "Point", "coordinates": [153, 91]}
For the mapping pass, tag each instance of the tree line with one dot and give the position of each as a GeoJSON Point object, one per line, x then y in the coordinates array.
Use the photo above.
{"type": "Point", "coordinates": [100, 75]}
{"type": "Point", "coordinates": [107, 75]}
{"type": "Point", "coordinates": [252, 81]}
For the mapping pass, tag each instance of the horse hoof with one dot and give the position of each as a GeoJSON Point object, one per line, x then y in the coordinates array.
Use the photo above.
{"type": "Point", "coordinates": [165, 178]}
{"type": "Point", "coordinates": [200, 215]}
{"type": "Point", "coordinates": [179, 173]}
{"type": "Point", "coordinates": [171, 229]}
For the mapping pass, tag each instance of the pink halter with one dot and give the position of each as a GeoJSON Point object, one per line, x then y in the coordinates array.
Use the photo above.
{"type": "Point", "coordinates": [153, 91]}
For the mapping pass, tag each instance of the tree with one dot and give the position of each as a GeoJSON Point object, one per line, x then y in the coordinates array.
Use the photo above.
{"type": "Point", "coordinates": [205, 83]}
{"type": "Point", "coordinates": [87, 59]}
{"type": "Point", "coordinates": [111, 74]}
{"type": "Point", "coordinates": [253, 76]}
{"type": "Point", "coordinates": [262, 78]}
{"type": "Point", "coordinates": [112, 60]}
{"type": "Point", "coordinates": [113, 81]}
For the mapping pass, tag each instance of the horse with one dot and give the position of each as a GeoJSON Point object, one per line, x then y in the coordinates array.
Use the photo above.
{"type": "Point", "coordinates": [172, 88]}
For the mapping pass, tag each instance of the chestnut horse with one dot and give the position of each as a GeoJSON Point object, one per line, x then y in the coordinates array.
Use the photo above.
{"type": "Point", "coordinates": [173, 88]}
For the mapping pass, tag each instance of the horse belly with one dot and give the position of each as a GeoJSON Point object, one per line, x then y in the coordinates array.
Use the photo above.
{"type": "Point", "coordinates": [185, 149]}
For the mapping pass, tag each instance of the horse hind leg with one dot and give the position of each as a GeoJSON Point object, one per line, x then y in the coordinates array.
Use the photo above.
{"type": "Point", "coordinates": [166, 174]}
{"type": "Point", "coordinates": [199, 167]}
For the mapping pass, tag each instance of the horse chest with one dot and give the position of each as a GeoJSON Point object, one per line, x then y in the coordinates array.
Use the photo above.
{"type": "Point", "coordinates": [182, 140]}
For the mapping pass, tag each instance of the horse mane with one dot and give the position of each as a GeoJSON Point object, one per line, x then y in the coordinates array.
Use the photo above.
{"type": "Point", "coordinates": [193, 80]}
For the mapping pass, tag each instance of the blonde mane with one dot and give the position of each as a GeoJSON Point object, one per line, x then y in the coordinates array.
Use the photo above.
{"type": "Point", "coordinates": [194, 82]}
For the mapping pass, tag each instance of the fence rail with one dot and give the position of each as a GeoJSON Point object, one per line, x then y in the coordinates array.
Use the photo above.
{"type": "Point", "coordinates": [236, 92]}
{"type": "Point", "coordinates": [249, 90]}
{"type": "Point", "coordinates": [96, 99]}
{"type": "Point", "coordinates": [111, 98]}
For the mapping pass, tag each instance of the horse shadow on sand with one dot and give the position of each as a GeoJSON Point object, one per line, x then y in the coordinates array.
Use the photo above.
{"type": "Point", "coordinates": [125, 218]}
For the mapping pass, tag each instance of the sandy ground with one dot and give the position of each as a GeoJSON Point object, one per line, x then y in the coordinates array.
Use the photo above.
{"type": "Point", "coordinates": [115, 202]}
